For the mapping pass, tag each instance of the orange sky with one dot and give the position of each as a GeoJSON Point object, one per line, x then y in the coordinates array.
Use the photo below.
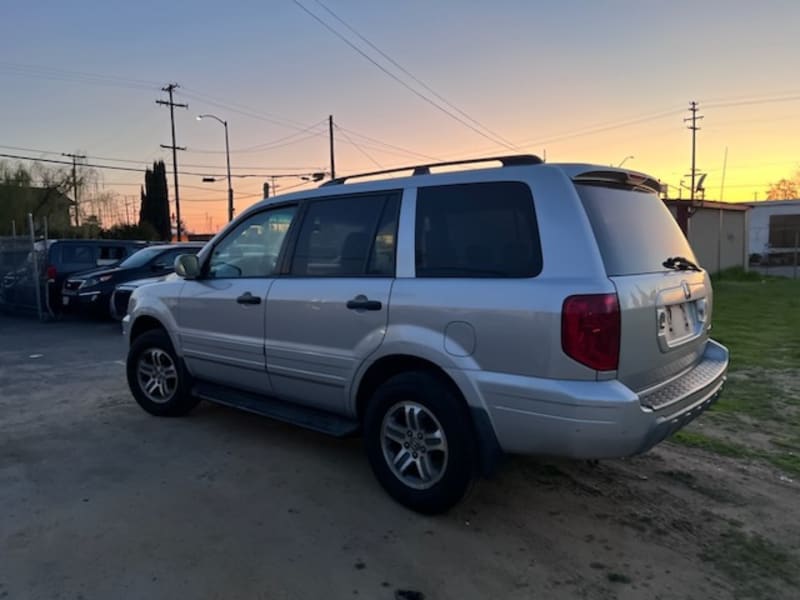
{"type": "Point", "coordinates": [583, 81]}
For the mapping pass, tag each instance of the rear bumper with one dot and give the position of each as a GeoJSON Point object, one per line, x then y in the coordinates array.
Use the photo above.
{"type": "Point", "coordinates": [597, 419]}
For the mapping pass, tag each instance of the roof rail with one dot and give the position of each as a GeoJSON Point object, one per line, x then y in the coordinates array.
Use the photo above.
{"type": "Point", "coordinates": [513, 160]}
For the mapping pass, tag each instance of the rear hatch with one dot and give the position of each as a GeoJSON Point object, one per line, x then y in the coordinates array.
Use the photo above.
{"type": "Point", "coordinates": [665, 303]}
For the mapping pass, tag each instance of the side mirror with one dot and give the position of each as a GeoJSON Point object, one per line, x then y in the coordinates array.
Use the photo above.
{"type": "Point", "coordinates": [187, 266]}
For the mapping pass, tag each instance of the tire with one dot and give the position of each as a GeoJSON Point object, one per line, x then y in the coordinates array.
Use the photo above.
{"type": "Point", "coordinates": [151, 358]}
{"type": "Point", "coordinates": [432, 471]}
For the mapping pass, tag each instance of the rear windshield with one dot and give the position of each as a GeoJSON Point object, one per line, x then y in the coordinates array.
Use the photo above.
{"type": "Point", "coordinates": [634, 229]}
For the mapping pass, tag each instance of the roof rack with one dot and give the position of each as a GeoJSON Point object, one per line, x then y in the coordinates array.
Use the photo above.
{"type": "Point", "coordinates": [513, 160]}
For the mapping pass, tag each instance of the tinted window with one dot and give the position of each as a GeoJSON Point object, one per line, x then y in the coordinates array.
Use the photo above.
{"type": "Point", "coordinates": [634, 230]}
{"type": "Point", "coordinates": [477, 230]}
{"type": "Point", "coordinates": [347, 236]}
{"type": "Point", "coordinates": [112, 253]}
{"type": "Point", "coordinates": [252, 248]}
{"type": "Point", "coordinates": [75, 254]}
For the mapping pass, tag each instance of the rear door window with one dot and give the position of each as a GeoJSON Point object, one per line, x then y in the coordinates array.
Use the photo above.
{"type": "Point", "coordinates": [477, 230]}
{"type": "Point", "coordinates": [347, 236]}
{"type": "Point", "coordinates": [635, 231]}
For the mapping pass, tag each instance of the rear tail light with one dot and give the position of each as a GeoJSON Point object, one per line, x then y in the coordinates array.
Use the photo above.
{"type": "Point", "coordinates": [590, 330]}
{"type": "Point", "coordinates": [51, 273]}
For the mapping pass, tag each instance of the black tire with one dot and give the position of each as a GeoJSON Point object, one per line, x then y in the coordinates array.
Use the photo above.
{"type": "Point", "coordinates": [178, 401]}
{"type": "Point", "coordinates": [391, 400]}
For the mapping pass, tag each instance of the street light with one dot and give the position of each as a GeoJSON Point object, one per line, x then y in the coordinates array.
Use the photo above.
{"type": "Point", "coordinates": [228, 159]}
{"type": "Point", "coordinates": [624, 159]}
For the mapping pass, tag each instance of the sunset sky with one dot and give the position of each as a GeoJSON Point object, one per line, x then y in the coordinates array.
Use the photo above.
{"type": "Point", "coordinates": [582, 81]}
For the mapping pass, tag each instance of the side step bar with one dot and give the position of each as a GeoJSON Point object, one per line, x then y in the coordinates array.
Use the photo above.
{"type": "Point", "coordinates": [310, 418]}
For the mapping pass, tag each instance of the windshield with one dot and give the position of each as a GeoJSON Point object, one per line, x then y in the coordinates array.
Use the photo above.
{"type": "Point", "coordinates": [634, 229]}
{"type": "Point", "coordinates": [140, 258]}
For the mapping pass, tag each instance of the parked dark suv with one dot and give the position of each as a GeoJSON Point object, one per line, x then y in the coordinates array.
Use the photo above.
{"type": "Point", "coordinates": [58, 259]}
{"type": "Point", "coordinates": [91, 290]}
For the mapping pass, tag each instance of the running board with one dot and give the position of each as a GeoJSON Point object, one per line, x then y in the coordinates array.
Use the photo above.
{"type": "Point", "coordinates": [309, 418]}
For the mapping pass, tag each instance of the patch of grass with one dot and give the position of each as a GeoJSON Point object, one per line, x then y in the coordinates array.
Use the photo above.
{"type": "Point", "coordinates": [752, 562]}
{"type": "Point", "coordinates": [699, 440]}
{"type": "Point", "coordinates": [788, 462]}
{"type": "Point", "coordinates": [739, 274]}
{"type": "Point", "coordinates": [758, 321]}
{"type": "Point", "coordinates": [791, 445]}
{"type": "Point", "coordinates": [752, 395]}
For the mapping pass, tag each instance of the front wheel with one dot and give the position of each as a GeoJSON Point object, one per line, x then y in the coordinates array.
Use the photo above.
{"type": "Point", "coordinates": [419, 441]}
{"type": "Point", "coordinates": [156, 377]}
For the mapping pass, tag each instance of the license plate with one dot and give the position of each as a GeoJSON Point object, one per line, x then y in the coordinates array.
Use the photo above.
{"type": "Point", "coordinates": [680, 321]}
{"type": "Point", "coordinates": [65, 300]}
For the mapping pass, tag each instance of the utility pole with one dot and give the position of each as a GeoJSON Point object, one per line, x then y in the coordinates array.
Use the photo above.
{"type": "Point", "coordinates": [75, 158]}
{"type": "Point", "coordinates": [694, 118]}
{"type": "Point", "coordinates": [330, 135]}
{"type": "Point", "coordinates": [169, 89]}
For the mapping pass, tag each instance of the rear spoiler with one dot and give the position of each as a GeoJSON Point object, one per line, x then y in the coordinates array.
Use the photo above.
{"type": "Point", "coordinates": [624, 179]}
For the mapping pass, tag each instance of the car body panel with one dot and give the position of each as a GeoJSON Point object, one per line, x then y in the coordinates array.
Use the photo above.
{"type": "Point", "coordinates": [222, 340]}
{"type": "Point", "coordinates": [314, 343]}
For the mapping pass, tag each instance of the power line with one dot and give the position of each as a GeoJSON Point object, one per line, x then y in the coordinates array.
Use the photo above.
{"type": "Point", "coordinates": [359, 148]}
{"type": "Point", "coordinates": [42, 72]}
{"type": "Point", "coordinates": [767, 100]}
{"type": "Point", "coordinates": [278, 143]}
{"type": "Point", "coordinates": [133, 161]}
{"type": "Point", "coordinates": [401, 82]}
{"type": "Point", "coordinates": [400, 149]}
{"type": "Point", "coordinates": [411, 75]}
{"type": "Point", "coordinates": [142, 170]}
{"type": "Point", "coordinates": [244, 111]}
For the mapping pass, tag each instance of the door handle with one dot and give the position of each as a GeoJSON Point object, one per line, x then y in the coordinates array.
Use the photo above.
{"type": "Point", "coordinates": [248, 298]}
{"type": "Point", "coordinates": [361, 302]}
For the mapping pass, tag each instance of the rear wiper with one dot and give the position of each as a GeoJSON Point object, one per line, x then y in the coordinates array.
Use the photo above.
{"type": "Point", "coordinates": [679, 263]}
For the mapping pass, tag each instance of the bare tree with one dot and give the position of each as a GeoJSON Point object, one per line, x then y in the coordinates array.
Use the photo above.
{"type": "Point", "coordinates": [785, 189]}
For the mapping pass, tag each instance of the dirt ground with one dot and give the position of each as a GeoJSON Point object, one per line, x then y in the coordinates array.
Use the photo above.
{"type": "Point", "coordinates": [99, 500]}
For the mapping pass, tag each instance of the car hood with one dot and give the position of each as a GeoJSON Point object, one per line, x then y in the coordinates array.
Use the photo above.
{"type": "Point", "coordinates": [95, 273]}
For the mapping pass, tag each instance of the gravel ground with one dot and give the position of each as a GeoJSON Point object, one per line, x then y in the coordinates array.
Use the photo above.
{"type": "Point", "coordinates": [100, 500]}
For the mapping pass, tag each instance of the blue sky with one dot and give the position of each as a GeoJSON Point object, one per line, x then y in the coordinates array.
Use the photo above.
{"type": "Point", "coordinates": [532, 72]}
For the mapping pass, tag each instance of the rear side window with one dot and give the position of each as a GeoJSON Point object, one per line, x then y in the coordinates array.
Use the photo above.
{"type": "Point", "coordinates": [477, 230]}
{"type": "Point", "coordinates": [347, 237]}
{"type": "Point", "coordinates": [635, 231]}
{"type": "Point", "coordinates": [110, 255]}
{"type": "Point", "coordinates": [74, 254]}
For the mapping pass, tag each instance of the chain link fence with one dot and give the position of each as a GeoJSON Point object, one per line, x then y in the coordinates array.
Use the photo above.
{"type": "Point", "coordinates": [23, 282]}
{"type": "Point", "coordinates": [775, 249]}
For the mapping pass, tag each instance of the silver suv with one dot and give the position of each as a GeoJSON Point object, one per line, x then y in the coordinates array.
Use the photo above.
{"type": "Point", "coordinates": [448, 317]}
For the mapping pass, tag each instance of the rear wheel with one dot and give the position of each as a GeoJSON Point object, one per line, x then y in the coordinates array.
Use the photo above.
{"type": "Point", "coordinates": [419, 441]}
{"type": "Point", "coordinates": [156, 377]}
